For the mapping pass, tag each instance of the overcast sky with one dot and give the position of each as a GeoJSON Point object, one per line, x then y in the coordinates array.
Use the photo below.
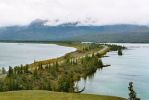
{"type": "Point", "coordinates": [20, 12]}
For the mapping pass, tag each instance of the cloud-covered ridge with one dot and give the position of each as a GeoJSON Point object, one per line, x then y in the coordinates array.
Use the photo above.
{"type": "Point", "coordinates": [99, 12]}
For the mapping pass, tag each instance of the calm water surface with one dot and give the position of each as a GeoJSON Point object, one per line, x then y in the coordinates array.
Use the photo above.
{"type": "Point", "coordinates": [12, 54]}
{"type": "Point", "coordinates": [113, 80]}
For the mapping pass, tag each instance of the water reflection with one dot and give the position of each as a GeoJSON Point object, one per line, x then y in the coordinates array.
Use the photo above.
{"type": "Point", "coordinates": [113, 80]}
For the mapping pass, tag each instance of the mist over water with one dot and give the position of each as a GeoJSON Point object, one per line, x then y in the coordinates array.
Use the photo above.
{"type": "Point", "coordinates": [113, 80]}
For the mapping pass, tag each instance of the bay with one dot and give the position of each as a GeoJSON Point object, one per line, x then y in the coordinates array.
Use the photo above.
{"type": "Point", "coordinates": [13, 54]}
{"type": "Point", "coordinates": [132, 66]}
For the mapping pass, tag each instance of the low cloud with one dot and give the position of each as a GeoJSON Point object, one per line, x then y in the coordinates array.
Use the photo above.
{"type": "Point", "coordinates": [22, 12]}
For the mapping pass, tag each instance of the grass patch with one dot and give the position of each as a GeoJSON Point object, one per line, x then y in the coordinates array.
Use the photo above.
{"type": "Point", "coordinates": [47, 95]}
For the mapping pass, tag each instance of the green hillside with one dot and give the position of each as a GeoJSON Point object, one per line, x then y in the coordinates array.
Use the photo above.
{"type": "Point", "coordinates": [47, 95]}
{"type": "Point", "coordinates": [37, 31]}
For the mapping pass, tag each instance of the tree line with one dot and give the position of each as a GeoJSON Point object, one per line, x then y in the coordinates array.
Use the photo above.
{"type": "Point", "coordinates": [53, 75]}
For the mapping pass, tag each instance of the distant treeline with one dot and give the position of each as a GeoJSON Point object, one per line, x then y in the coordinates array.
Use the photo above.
{"type": "Point", "coordinates": [72, 32]}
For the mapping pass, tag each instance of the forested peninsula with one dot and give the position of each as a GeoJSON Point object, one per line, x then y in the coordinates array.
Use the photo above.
{"type": "Point", "coordinates": [59, 74]}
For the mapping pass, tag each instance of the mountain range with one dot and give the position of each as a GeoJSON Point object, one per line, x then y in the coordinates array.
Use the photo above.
{"type": "Point", "coordinates": [74, 31]}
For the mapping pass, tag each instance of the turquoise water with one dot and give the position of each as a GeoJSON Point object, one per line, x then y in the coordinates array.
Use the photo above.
{"type": "Point", "coordinates": [113, 80]}
{"type": "Point", "coordinates": [12, 54]}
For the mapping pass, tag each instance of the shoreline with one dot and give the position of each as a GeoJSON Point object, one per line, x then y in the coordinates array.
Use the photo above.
{"type": "Point", "coordinates": [42, 41]}
{"type": "Point", "coordinates": [71, 49]}
{"type": "Point", "coordinates": [103, 51]}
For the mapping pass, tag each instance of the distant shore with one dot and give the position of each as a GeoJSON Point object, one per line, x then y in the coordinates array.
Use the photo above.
{"type": "Point", "coordinates": [49, 41]}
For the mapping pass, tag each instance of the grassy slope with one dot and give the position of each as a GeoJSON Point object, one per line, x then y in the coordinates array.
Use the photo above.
{"type": "Point", "coordinates": [46, 95]}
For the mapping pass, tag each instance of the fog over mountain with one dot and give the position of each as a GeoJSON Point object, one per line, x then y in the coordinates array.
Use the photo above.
{"type": "Point", "coordinates": [96, 12]}
{"type": "Point", "coordinates": [39, 30]}
{"type": "Point", "coordinates": [75, 20]}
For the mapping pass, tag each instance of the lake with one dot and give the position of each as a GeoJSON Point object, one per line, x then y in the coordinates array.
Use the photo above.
{"type": "Point", "coordinates": [13, 54]}
{"type": "Point", "coordinates": [113, 80]}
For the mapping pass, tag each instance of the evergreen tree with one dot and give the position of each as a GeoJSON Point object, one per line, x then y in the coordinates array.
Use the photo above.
{"type": "Point", "coordinates": [10, 71]}
{"type": "Point", "coordinates": [26, 69]}
{"type": "Point", "coordinates": [3, 70]}
{"type": "Point", "coordinates": [65, 83]}
{"type": "Point", "coordinates": [35, 72]}
{"type": "Point", "coordinates": [100, 63]}
{"type": "Point", "coordinates": [120, 52]}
